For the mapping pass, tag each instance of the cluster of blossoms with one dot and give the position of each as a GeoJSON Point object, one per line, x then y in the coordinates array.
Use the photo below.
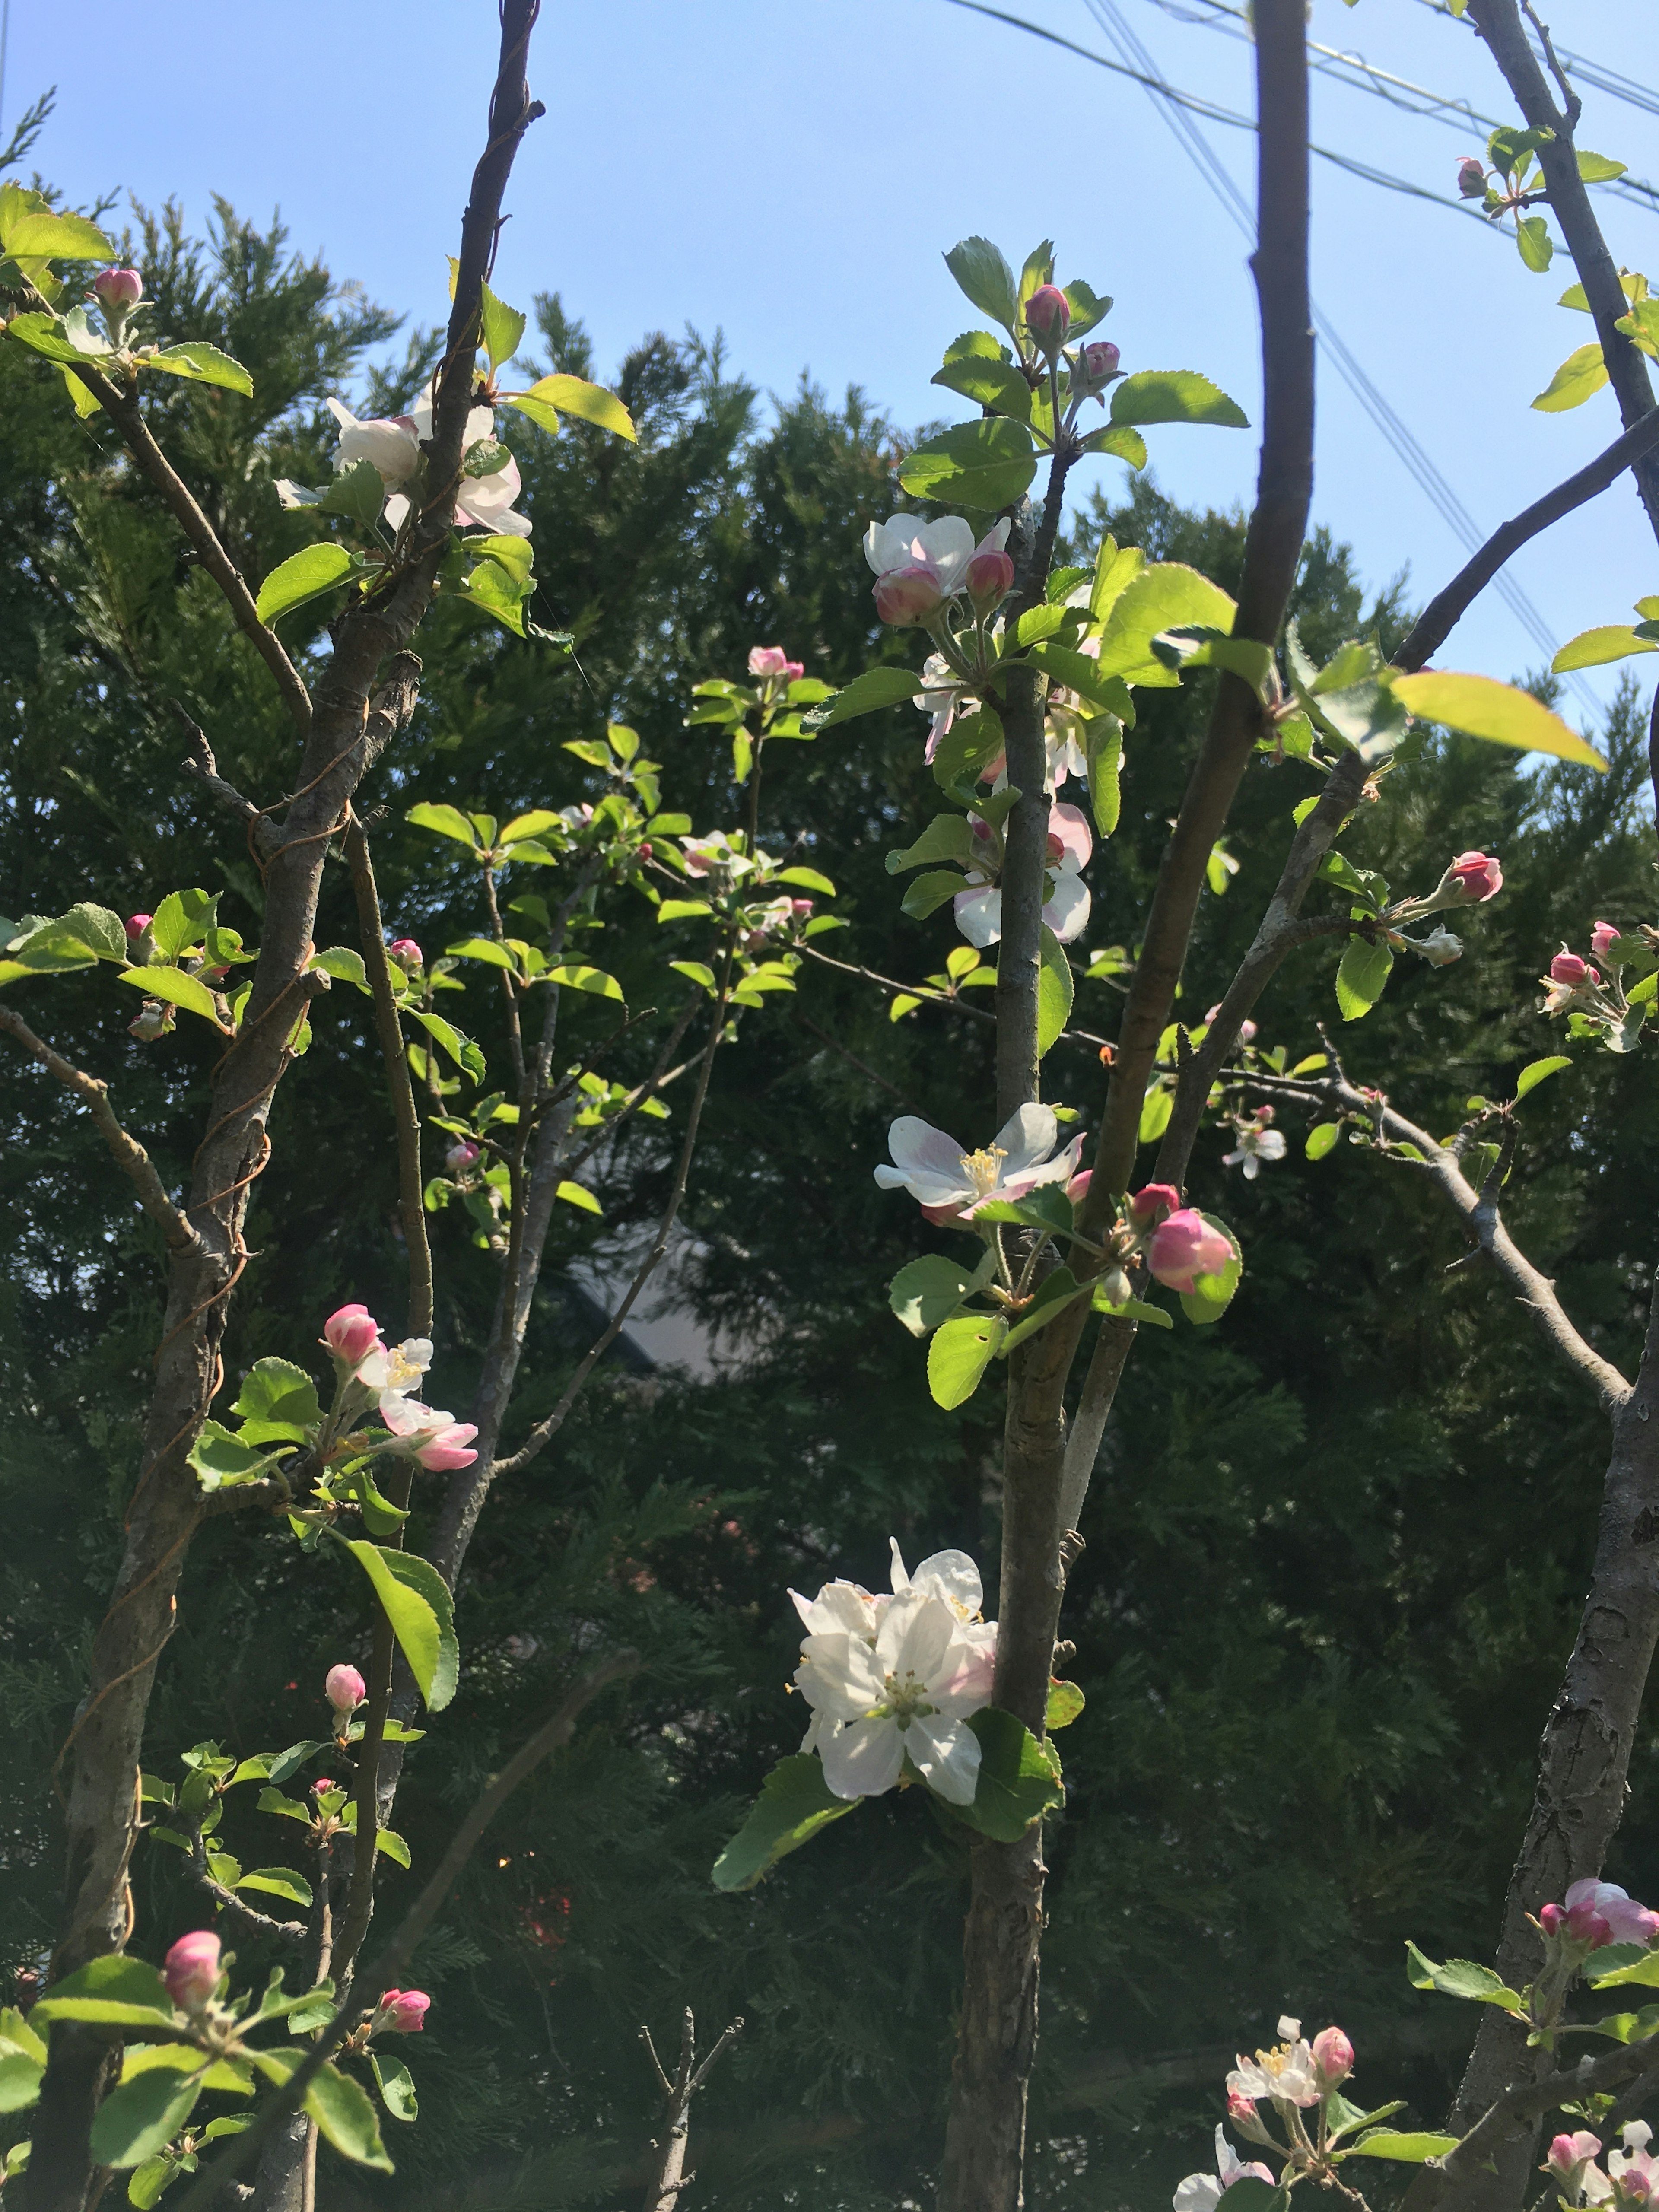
{"type": "Point", "coordinates": [1630, 2178]}
{"type": "Point", "coordinates": [156, 1016]}
{"type": "Point", "coordinates": [1066, 898]}
{"type": "Point", "coordinates": [922, 567]}
{"type": "Point", "coordinates": [1470, 879]}
{"type": "Point", "coordinates": [892, 1680]}
{"type": "Point", "coordinates": [1297, 2078]}
{"type": "Point", "coordinates": [722, 862]}
{"type": "Point", "coordinates": [372, 1372]}
{"type": "Point", "coordinates": [1595, 1006]}
{"type": "Point", "coordinates": [489, 475]}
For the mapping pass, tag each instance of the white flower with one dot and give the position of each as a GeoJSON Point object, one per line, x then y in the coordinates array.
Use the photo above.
{"type": "Point", "coordinates": [396, 1370]}
{"type": "Point", "coordinates": [1255, 1145]}
{"type": "Point", "coordinates": [392, 443]}
{"type": "Point", "coordinates": [482, 502]}
{"type": "Point", "coordinates": [945, 546]}
{"type": "Point", "coordinates": [1633, 2164]}
{"type": "Point", "coordinates": [942, 695]}
{"type": "Point", "coordinates": [906, 1695]}
{"type": "Point", "coordinates": [1286, 2073]}
{"type": "Point", "coordinates": [953, 1577]}
{"type": "Point", "coordinates": [1066, 898]}
{"type": "Point", "coordinates": [937, 1174]}
{"type": "Point", "coordinates": [716, 850]}
{"type": "Point", "coordinates": [1199, 2190]}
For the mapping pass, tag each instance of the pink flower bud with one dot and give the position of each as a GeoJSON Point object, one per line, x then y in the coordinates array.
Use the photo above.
{"type": "Point", "coordinates": [1333, 2054]}
{"type": "Point", "coordinates": [1246, 1031]}
{"type": "Point", "coordinates": [1239, 2106]}
{"type": "Point", "coordinates": [1568, 2153]}
{"type": "Point", "coordinates": [1152, 1202]}
{"type": "Point", "coordinates": [1185, 1247]}
{"type": "Point", "coordinates": [793, 671]}
{"type": "Point", "coordinates": [192, 1970]}
{"type": "Point", "coordinates": [345, 1688]}
{"type": "Point", "coordinates": [1474, 878]}
{"type": "Point", "coordinates": [990, 579]}
{"type": "Point", "coordinates": [459, 1157]}
{"type": "Point", "coordinates": [406, 951]}
{"type": "Point", "coordinates": [768, 661]}
{"type": "Point", "coordinates": [1078, 1189]}
{"type": "Point", "coordinates": [644, 852]}
{"type": "Point", "coordinates": [1586, 1925]}
{"type": "Point", "coordinates": [905, 597]}
{"type": "Point", "coordinates": [1603, 938]}
{"type": "Point", "coordinates": [1567, 968]}
{"type": "Point", "coordinates": [1471, 177]}
{"type": "Point", "coordinates": [136, 924]}
{"type": "Point", "coordinates": [322, 1785]}
{"type": "Point", "coordinates": [1551, 1918]}
{"type": "Point", "coordinates": [351, 1334]}
{"type": "Point", "coordinates": [800, 908]}
{"type": "Point", "coordinates": [1098, 364]}
{"type": "Point", "coordinates": [402, 2012]}
{"type": "Point", "coordinates": [1048, 317]}
{"type": "Point", "coordinates": [448, 1448]}
{"type": "Point", "coordinates": [118, 289]}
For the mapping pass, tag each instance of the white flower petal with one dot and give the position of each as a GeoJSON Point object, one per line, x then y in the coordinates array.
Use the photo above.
{"type": "Point", "coordinates": [946, 1754]}
{"type": "Point", "coordinates": [1066, 910]}
{"type": "Point", "coordinates": [1197, 2193]}
{"type": "Point", "coordinates": [979, 915]}
{"type": "Point", "coordinates": [950, 1575]}
{"type": "Point", "coordinates": [916, 1633]}
{"type": "Point", "coordinates": [1027, 1136]}
{"type": "Point", "coordinates": [864, 1759]}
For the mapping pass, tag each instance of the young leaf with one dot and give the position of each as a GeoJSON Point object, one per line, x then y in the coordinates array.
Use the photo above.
{"type": "Point", "coordinates": [47, 236]}
{"type": "Point", "coordinates": [794, 1803]}
{"type": "Point", "coordinates": [959, 1354]}
{"type": "Point", "coordinates": [1500, 713]}
{"type": "Point", "coordinates": [585, 979]}
{"type": "Point", "coordinates": [573, 1193]}
{"type": "Point", "coordinates": [141, 2117]}
{"type": "Point", "coordinates": [947, 837]}
{"type": "Point", "coordinates": [573, 395]}
{"type": "Point", "coordinates": [1018, 1778]}
{"type": "Point", "coordinates": [182, 990]}
{"type": "Point", "coordinates": [20, 2075]}
{"type": "Point", "coordinates": [396, 2085]}
{"type": "Point", "coordinates": [1579, 377]}
{"type": "Point", "coordinates": [1175, 395]}
{"type": "Point", "coordinates": [983, 274]}
{"type": "Point", "coordinates": [1532, 237]}
{"type": "Point", "coordinates": [1064, 1705]}
{"type": "Point", "coordinates": [1592, 647]}
{"type": "Point", "coordinates": [1460, 1978]}
{"type": "Point", "coordinates": [984, 464]}
{"type": "Point", "coordinates": [115, 1992]}
{"type": "Point", "coordinates": [205, 364]}
{"type": "Point", "coordinates": [926, 1292]}
{"type": "Point", "coordinates": [1406, 2149]}
{"type": "Point", "coordinates": [448, 821]}
{"type": "Point", "coordinates": [345, 2117]}
{"type": "Point", "coordinates": [278, 1881]}
{"type": "Point", "coordinates": [303, 576]}
{"type": "Point", "coordinates": [501, 328]}
{"type": "Point", "coordinates": [1537, 1071]}
{"type": "Point", "coordinates": [1361, 977]}
{"type": "Point", "coordinates": [1055, 988]}
{"type": "Point", "coordinates": [417, 1604]}
{"type": "Point", "coordinates": [876, 687]}
{"type": "Point", "coordinates": [1322, 1138]}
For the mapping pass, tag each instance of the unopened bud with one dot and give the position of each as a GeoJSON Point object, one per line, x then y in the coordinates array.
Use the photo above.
{"type": "Point", "coordinates": [1474, 878]}
{"type": "Point", "coordinates": [644, 852]}
{"type": "Point", "coordinates": [192, 1970]}
{"type": "Point", "coordinates": [345, 1689]}
{"type": "Point", "coordinates": [1603, 938]}
{"type": "Point", "coordinates": [322, 1785]}
{"type": "Point", "coordinates": [990, 579]}
{"type": "Point", "coordinates": [459, 1157]}
{"type": "Point", "coordinates": [1333, 2054]}
{"type": "Point", "coordinates": [406, 951]}
{"type": "Point", "coordinates": [1153, 1201]}
{"type": "Point", "coordinates": [136, 924]}
{"type": "Point", "coordinates": [768, 661]}
{"type": "Point", "coordinates": [119, 290]}
{"type": "Point", "coordinates": [351, 1332]}
{"type": "Point", "coordinates": [905, 597]}
{"type": "Point", "coordinates": [1097, 365]}
{"type": "Point", "coordinates": [402, 2012]}
{"type": "Point", "coordinates": [1471, 179]}
{"type": "Point", "coordinates": [800, 908]}
{"type": "Point", "coordinates": [1567, 968]}
{"type": "Point", "coordinates": [1048, 317]}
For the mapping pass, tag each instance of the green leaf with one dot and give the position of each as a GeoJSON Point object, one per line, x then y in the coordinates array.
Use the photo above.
{"type": "Point", "coordinates": [1191, 646]}
{"type": "Point", "coordinates": [1167, 595]}
{"type": "Point", "coordinates": [277, 1881]}
{"type": "Point", "coordinates": [100, 930]}
{"type": "Point", "coordinates": [461, 1049]}
{"type": "Point", "coordinates": [345, 2117]}
{"type": "Point", "coordinates": [984, 464]}
{"type": "Point", "coordinates": [1537, 247]}
{"type": "Point", "coordinates": [57, 237]}
{"type": "Point", "coordinates": [1322, 1138]}
{"type": "Point", "coordinates": [807, 879]}
{"type": "Point", "coordinates": [340, 962]}
{"type": "Point", "coordinates": [45, 335]}
{"type": "Point", "coordinates": [1500, 713]}
{"type": "Point", "coordinates": [1612, 1967]}
{"type": "Point", "coordinates": [876, 687]}
{"type": "Point", "coordinates": [1591, 647]}
{"type": "Point", "coordinates": [1406, 2150]}
{"type": "Point", "coordinates": [983, 274]}
{"type": "Point", "coordinates": [794, 1803]}
{"type": "Point", "coordinates": [1087, 308]}
{"type": "Point", "coordinates": [303, 576]}
{"type": "Point", "coordinates": [358, 493]}
{"type": "Point", "coordinates": [969, 744]}
{"type": "Point", "coordinates": [150, 2179]}
{"type": "Point", "coordinates": [1102, 752]}
{"type": "Point", "coordinates": [183, 919]}
{"type": "Point", "coordinates": [272, 1801]}
{"type": "Point", "coordinates": [396, 2085]}
{"type": "Point", "coordinates": [573, 395]}
{"type": "Point", "coordinates": [223, 1460]}
{"type": "Point", "coordinates": [573, 1194]}
{"type": "Point", "coordinates": [205, 364]}
{"type": "Point", "coordinates": [417, 1604]}
{"type": "Point", "coordinates": [984, 377]}
{"type": "Point", "coordinates": [501, 328]}
{"type": "Point", "coordinates": [173, 984]}
{"type": "Point", "coordinates": [448, 821]}
{"type": "Point", "coordinates": [947, 837]}
{"type": "Point", "coordinates": [1596, 169]}
{"type": "Point", "coordinates": [277, 1395]}
{"type": "Point", "coordinates": [141, 2117]}
{"type": "Point", "coordinates": [958, 1355]}
{"type": "Point", "coordinates": [1121, 440]}
{"type": "Point", "coordinates": [1214, 1293]}
{"type": "Point", "coordinates": [929, 892]}
{"type": "Point", "coordinates": [1175, 395]}
{"type": "Point", "coordinates": [1537, 1071]}
{"type": "Point", "coordinates": [1064, 1705]}
{"type": "Point", "coordinates": [498, 593]}
{"type": "Point", "coordinates": [1362, 976]}
{"type": "Point", "coordinates": [229, 2075]}
{"type": "Point", "coordinates": [1461, 1977]}
{"type": "Point", "coordinates": [1018, 1778]}
{"type": "Point", "coordinates": [1055, 989]}
{"type": "Point", "coordinates": [16, 2034]}
{"type": "Point", "coordinates": [20, 2075]}
{"type": "Point", "coordinates": [1580, 376]}
{"type": "Point", "coordinates": [927, 1292]}
{"type": "Point", "coordinates": [594, 980]}
{"type": "Point", "coordinates": [115, 1992]}
{"type": "Point", "coordinates": [1053, 1294]}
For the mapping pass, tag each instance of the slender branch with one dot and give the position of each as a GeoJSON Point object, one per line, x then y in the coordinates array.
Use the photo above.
{"type": "Point", "coordinates": [1479, 1211]}
{"type": "Point", "coordinates": [389, 1029]}
{"type": "Point", "coordinates": [256, 1923]}
{"type": "Point", "coordinates": [1434, 625]}
{"type": "Point", "coordinates": [395, 1960]}
{"type": "Point", "coordinates": [668, 2176]}
{"type": "Point", "coordinates": [956, 1005]}
{"type": "Point", "coordinates": [204, 768]}
{"type": "Point", "coordinates": [129, 1154]}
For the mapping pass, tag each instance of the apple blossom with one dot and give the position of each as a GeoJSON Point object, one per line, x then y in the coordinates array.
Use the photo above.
{"type": "Point", "coordinates": [990, 579]}
{"type": "Point", "coordinates": [906, 1696]}
{"type": "Point", "coordinates": [136, 924]}
{"type": "Point", "coordinates": [953, 1577]}
{"type": "Point", "coordinates": [1286, 2073]}
{"type": "Point", "coordinates": [1634, 2175]}
{"type": "Point", "coordinates": [406, 951]}
{"type": "Point", "coordinates": [485, 502]}
{"type": "Point", "coordinates": [1333, 2054]}
{"type": "Point", "coordinates": [1567, 2157]}
{"type": "Point", "coordinates": [1151, 1202]}
{"type": "Point", "coordinates": [1184, 1246]}
{"type": "Point", "coordinates": [153, 1019]}
{"type": "Point", "coordinates": [192, 1970]}
{"type": "Point", "coordinates": [459, 1157]}
{"type": "Point", "coordinates": [437, 1440]}
{"type": "Point", "coordinates": [978, 909]}
{"type": "Point", "coordinates": [937, 1174]}
{"type": "Point", "coordinates": [119, 290]}
{"type": "Point", "coordinates": [940, 697]}
{"type": "Point", "coordinates": [920, 565]}
{"type": "Point", "coordinates": [1473, 878]}
{"type": "Point", "coordinates": [768, 661]}
{"type": "Point", "coordinates": [1631, 1922]}
{"type": "Point", "coordinates": [1567, 968]}
{"type": "Point", "coordinates": [1579, 1925]}
{"type": "Point", "coordinates": [703, 855]}
{"type": "Point", "coordinates": [1256, 1142]}
{"type": "Point", "coordinates": [1472, 178]}
{"type": "Point", "coordinates": [1097, 365]}
{"type": "Point", "coordinates": [907, 596]}
{"type": "Point", "coordinates": [1199, 2191]}
{"type": "Point", "coordinates": [351, 1334]}
{"type": "Point", "coordinates": [1048, 317]}
{"type": "Point", "coordinates": [345, 1689]}
{"type": "Point", "coordinates": [392, 443]}
{"type": "Point", "coordinates": [401, 2012]}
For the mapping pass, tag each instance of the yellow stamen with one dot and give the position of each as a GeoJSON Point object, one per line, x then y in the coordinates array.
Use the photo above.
{"type": "Point", "coordinates": [982, 1169]}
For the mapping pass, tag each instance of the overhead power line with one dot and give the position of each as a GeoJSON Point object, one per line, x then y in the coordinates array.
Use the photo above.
{"type": "Point", "coordinates": [1595, 74]}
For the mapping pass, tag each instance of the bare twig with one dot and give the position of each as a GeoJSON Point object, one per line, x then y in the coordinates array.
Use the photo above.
{"type": "Point", "coordinates": [956, 1005]}
{"type": "Point", "coordinates": [669, 2176]}
{"type": "Point", "coordinates": [127, 1151]}
{"type": "Point", "coordinates": [204, 768]}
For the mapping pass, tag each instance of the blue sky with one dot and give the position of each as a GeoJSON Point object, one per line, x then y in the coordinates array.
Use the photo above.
{"type": "Point", "coordinates": [789, 171]}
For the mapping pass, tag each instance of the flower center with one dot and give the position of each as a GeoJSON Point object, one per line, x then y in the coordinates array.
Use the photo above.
{"type": "Point", "coordinates": [907, 1698]}
{"type": "Point", "coordinates": [983, 1168]}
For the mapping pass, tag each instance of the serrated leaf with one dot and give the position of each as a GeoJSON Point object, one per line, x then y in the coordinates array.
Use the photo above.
{"type": "Point", "coordinates": [20, 2075]}
{"type": "Point", "coordinates": [591, 403]}
{"type": "Point", "coordinates": [1591, 648]}
{"type": "Point", "coordinates": [345, 2117]}
{"type": "Point", "coordinates": [305, 575]}
{"type": "Point", "coordinates": [795, 1803]}
{"type": "Point", "coordinates": [1322, 1138]}
{"type": "Point", "coordinates": [947, 837]}
{"type": "Point", "coordinates": [593, 980]}
{"type": "Point", "coordinates": [140, 2117]}
{"type": "Point", "coordinates": [1175, 395]}
{"type": "Point", "coordinates": [1362, 977]}
{"type": "Point", "coordinates": [56, 238]}
{"type": "Point", "coordinates": [1500, 713]}
{"type": "Point", "coordinates": [114, 1990]}
{"type": "Point", "coordinates": [984, 275]}
{"type": "Point", "coordinates": [1165, 596]}
{"type": "Point", "coordinates": [989, 383]}
{"type": "Point", "coordinates": [927, 1292]}
{"type": "Point", "coordinates": [1018, 1778]}
{"type": "Point", "coordinates": [205, 364]}
{"type": "Point", "coordinates": [1537, 1071]}
{"type": "Point", "coordinates": [417, 1603]}
{"type": "Point", "coordinates": [1056, 987]}
{"type": "Point", "coordinates": [927, 894]}
{"type": "Point", "coordinates": [984, 464]}
{"type": "Point", "coordinates": [959, 1353]}
{"type": "Point", "coordinates": [1537, 247]}
{"type": "Point", "coordinates": [448, 821]}
{"type": "Point", "coordinates": [865, 695]}
{"type": "Point", "coordinates": [1579, 377]}
{"type": "Point", "coordinates": [396, 2085]}
{"type": "Point", "coordinates": [1461, 1977]}
{"type": "Point", "coordinates": [1405, 2150]}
